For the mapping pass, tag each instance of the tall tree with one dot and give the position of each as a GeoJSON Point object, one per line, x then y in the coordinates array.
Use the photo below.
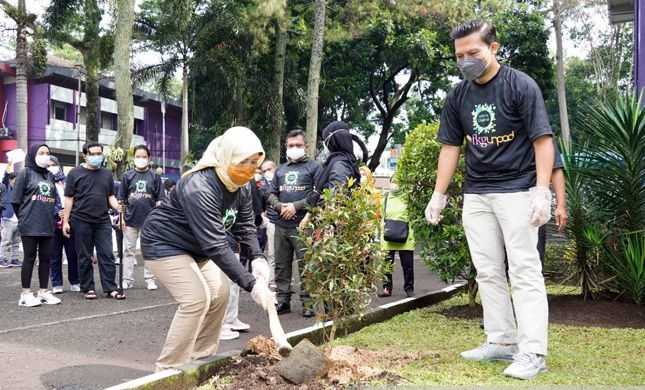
{"type": "Point", "coordinates": [172, 28]}
{"type": "Point", "coordinates": [277, 112]}
{"type": "Point", "coordinates": [123, 79]}
{"type": "Point", "coordinates": [78, 23]}
{"type": "Point", "coordinates": [562, 93]}
{"type": "Point", "coordinates": [313, 84]}
{"type": "Point", "coordinates": [25, 25]}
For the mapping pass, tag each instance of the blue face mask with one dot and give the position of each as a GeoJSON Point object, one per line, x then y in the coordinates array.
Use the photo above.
{"type": "Point", "coordinates": [95, 161]}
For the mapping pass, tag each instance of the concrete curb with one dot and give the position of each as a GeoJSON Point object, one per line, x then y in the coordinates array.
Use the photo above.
{"type": "Point", "coordinates": [195, 373]}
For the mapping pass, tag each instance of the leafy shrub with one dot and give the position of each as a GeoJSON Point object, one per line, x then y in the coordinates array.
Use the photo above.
{"type": "Point", "coordinates": [343, 262]}
{"type": "Point", "coordinates": [443, 248]}
{"type": "Point", "coordinates": [628, 266]}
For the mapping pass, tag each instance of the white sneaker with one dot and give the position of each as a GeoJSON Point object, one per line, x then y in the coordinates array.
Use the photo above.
{"type": "Point", "coordinates": [151, 284]}
{"type": "Point", "coordinates": [526, 366]}
{"type": "Point", "coordinates": [28, 299]}
{"type": "Point", "coordinates": [57, 290]}
{"type": "Point", "coordinates": [127, 284]}
{"type": "Point", "coordinates": [48, 298]}
{"type": "Point", "coordinates": [490, 351]}
{"type": "Point", "coordinates": [75, 287]}
{"type": "Point", "coordinates": [228, 334]}
{"type": "Point", "coordinates": [240, 326]}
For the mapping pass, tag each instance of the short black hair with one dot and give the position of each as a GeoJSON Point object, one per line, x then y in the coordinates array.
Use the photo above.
{"type": "Point", "coordinates": [486, 30]}
{"type": "Point", "coordinates": [141, 147]}
{"type": "Point", "coordinates": [296, 133]}
{"type": "Point", "coordinates": [90, 145]}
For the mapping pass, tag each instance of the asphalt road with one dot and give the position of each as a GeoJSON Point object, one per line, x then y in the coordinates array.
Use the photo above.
{"type": "Point", "coordinates": [96, 344]}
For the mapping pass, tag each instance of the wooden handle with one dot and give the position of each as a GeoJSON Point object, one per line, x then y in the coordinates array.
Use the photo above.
{"type": "Point", "coordinates": [284, 348]}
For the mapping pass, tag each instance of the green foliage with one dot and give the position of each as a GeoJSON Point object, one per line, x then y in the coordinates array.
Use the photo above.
{"type": "Point", "coordinates": [344, 263]}
{"type": "Point", "coordinates": [443, 247]}
{"type": "Point", "coordinates": [628, 266]}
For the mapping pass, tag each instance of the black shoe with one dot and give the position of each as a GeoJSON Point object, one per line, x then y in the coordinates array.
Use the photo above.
{"type": "Point", "coordinates": [386, 292]}
{"type": "Point", "coordinates": [409, 293]}
{"type": "Point", "coordinates": [308, 313]}
{"type": "Point", "coordinates": [283, 308]}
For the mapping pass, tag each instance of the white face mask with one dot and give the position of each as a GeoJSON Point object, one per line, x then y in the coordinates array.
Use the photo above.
{"type": "Point", "coordinates": [295, 154]}
{"type": "Point", "coordinates": [42, 160]}
{"type": "Point", "coordinates": [268, 175]}
{"type": "Point", "coordinates": [141, 163]}
{"type": "Point", "coordinates": [54, 169]}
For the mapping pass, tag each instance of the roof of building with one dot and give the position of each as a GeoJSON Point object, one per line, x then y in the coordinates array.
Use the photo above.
{"type": "Point", "coordinates": [620, 11]}
{"type": "Point", "coordinates": [57, 66]}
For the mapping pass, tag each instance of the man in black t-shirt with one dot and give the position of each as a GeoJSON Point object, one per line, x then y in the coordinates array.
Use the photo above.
{"type": "Point", "coordinates": [89, 193]}
{"type": "Point", "coordinates": [500, 113]}
{"type": "Point", "coordinates": [141, 191]}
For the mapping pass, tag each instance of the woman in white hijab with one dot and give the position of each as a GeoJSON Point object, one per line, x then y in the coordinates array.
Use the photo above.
{"type": "Point", "coordinates": [184, 243]}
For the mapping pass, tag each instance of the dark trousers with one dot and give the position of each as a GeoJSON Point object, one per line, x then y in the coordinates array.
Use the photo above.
{"type": "Point", "coordinates": [61, 242]}
{"type": "Point", "coordinates": [541, 246]}
{"type": "Point", "coordinates": [407, 263]}
{"type": "Point", "coordinates": [32, 246]}
{"type": "Point", "coordinates": [87, 236]}
{"type": "Point", "coordinates": [287, 246]}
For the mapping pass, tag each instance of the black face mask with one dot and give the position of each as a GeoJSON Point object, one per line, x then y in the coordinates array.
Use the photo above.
{"type": "Point", "coordinates": [472, 68]}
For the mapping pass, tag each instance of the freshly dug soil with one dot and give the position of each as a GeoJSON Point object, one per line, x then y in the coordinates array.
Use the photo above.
{"type": "Point", "coordinates": [573, 310]}
{"type": "Point", "coordinates": [348, 366]}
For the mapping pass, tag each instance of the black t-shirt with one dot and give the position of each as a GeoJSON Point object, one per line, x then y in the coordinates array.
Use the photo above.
{"type": "Point", "coordinates": [293, 182]}
{"type": "Point", "coordinates": [91, 190]}
{"type": "Point", "coordinates": [140, 191]}
{"type": "Point", "coordinates": [500, 120]}
{"type": "Point", "coordinates": [34, 201]}
{"type": "Point", "coordinates": [199, 219]}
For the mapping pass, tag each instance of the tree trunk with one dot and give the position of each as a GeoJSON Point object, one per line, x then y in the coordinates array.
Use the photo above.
{"type": "Point", "coordinates": [314, 76]}
{"type": "Point", "coordinates": [382, 142]}
{"type": "Point", "coordinates": [277, 109]}
{"type": "Point", "coordinates": [22, 122]}
{"type": "Point", "coordinates": [92, 126]}
{"type": "Point", "coordinates": [184, 113]}
{"type": "Point", "coordinates": [123, 80]}
{"type": "Point", "coordinates": [562, 93]}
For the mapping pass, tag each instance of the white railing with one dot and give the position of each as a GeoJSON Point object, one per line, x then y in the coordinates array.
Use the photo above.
{"type": "Point", "coordinates": [61, 135]}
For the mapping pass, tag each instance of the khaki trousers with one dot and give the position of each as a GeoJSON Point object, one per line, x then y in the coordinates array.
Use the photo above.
{"type": "Point", "coordinates": [496, 225]}
{"type": "Point", "coordinates": [201, 289]}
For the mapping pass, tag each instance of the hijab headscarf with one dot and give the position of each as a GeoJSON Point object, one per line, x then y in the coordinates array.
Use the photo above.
{"type": "Point", "coordinates": [30, 160]}
{"type": "Point", "coordinates": [60, 176]}
{"type": "Point", "coordinates": [231, 148]}
{"type": "Point", "coordinates": [340, 143]}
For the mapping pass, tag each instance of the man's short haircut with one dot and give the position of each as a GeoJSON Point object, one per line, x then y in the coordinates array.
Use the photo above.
{"type": "Point", "coordinates": [141, 147]}
{"type": "Point", "coordinates": [90, 145]}
{"type": "Point", "coordinates": [296, 133]}
{"type": "Point", "coordinates": [486, 30]}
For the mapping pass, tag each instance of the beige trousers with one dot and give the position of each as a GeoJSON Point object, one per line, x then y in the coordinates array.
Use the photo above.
{"type": "Point", "coordinates": [201, 289]}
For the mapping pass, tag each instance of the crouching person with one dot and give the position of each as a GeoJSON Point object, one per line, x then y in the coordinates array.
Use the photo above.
{"type": "Point", "coordinates": [189, 228]}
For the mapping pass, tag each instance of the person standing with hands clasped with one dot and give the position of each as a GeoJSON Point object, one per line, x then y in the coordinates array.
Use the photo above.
{"type": "Point", "coordinates": [141, 191]}
{"type": "Point", "coordinates": [500, 113]}
{"type": "Point", "coordinates": [34, 201]}
{"type": "Point", "coordinates": [184, 243]}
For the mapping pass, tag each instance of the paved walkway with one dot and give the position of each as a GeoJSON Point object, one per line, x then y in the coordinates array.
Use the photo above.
{"type": "Point", "coordinates": [95, 344]}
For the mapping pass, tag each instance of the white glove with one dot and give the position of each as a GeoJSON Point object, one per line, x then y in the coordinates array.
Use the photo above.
{"type": "Point", "coordinates": [262, 295]}
{"type": "Point", "coordinates": [260, 269]}
{"type": "Point", "coordinates": [435, 207]}
{"type": "Point", "coordinates": [540, 205]}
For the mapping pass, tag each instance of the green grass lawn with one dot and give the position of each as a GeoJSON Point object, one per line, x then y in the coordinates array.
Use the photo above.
{"type": "Point", "coordinates": [577, 355]}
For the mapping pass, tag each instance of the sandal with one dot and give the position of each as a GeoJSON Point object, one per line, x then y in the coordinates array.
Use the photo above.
{"type": "Point", "coordinates": [116, 295]}
{"type": "Point", "coordinates": [91, 294]}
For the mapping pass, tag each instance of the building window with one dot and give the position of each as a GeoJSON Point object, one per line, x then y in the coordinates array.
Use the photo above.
{"type": "Point", "coordinates": [59, 110]}
{"type": "Point", "coordinates": [107, 121]}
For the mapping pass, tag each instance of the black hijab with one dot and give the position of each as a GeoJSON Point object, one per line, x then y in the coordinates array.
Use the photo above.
{"type": "Point", "coordinates": [30, 160]}
{"type": "Point", "coordinates": [340, 142]}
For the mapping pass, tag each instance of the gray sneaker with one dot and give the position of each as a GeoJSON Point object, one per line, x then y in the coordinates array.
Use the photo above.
{"type": "Point", "coordinates": [490, 351]}
{"type": "Point", "coordinates": [526, 366]}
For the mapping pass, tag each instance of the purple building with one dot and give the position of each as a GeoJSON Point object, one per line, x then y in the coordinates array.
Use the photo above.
{"type": "Point", "coordinates": [621, 11]}
{"type": "Point", "coordinates": [52, 116]}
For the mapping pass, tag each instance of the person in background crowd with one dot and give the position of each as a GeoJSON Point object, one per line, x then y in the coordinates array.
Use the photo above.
{"type": "Point", "coordinates": [89, 193]}
{"type": "Point", "coordinates": [185, 244]}
{"type": "Point", "coordinates": [34, 201]}
{"type": "Point", "coordinates": [560, 215]}
{"type": "Point", "coordinates": [500, 113]}
{"type": "Point", "coordinates": [10, 246]}
{"type": "Point", "coordinates": [168, 186]}
{"type": "Point", "coordinates": [292, 184]}
{"type": "Point", "coordinates": [267, 171]}
{"type": "Point", "coordinates": [61, 242]}
{"type": "Point", "coordinates": [395, 209]}
{"type": "Point", "coordinates": [141, 191]}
